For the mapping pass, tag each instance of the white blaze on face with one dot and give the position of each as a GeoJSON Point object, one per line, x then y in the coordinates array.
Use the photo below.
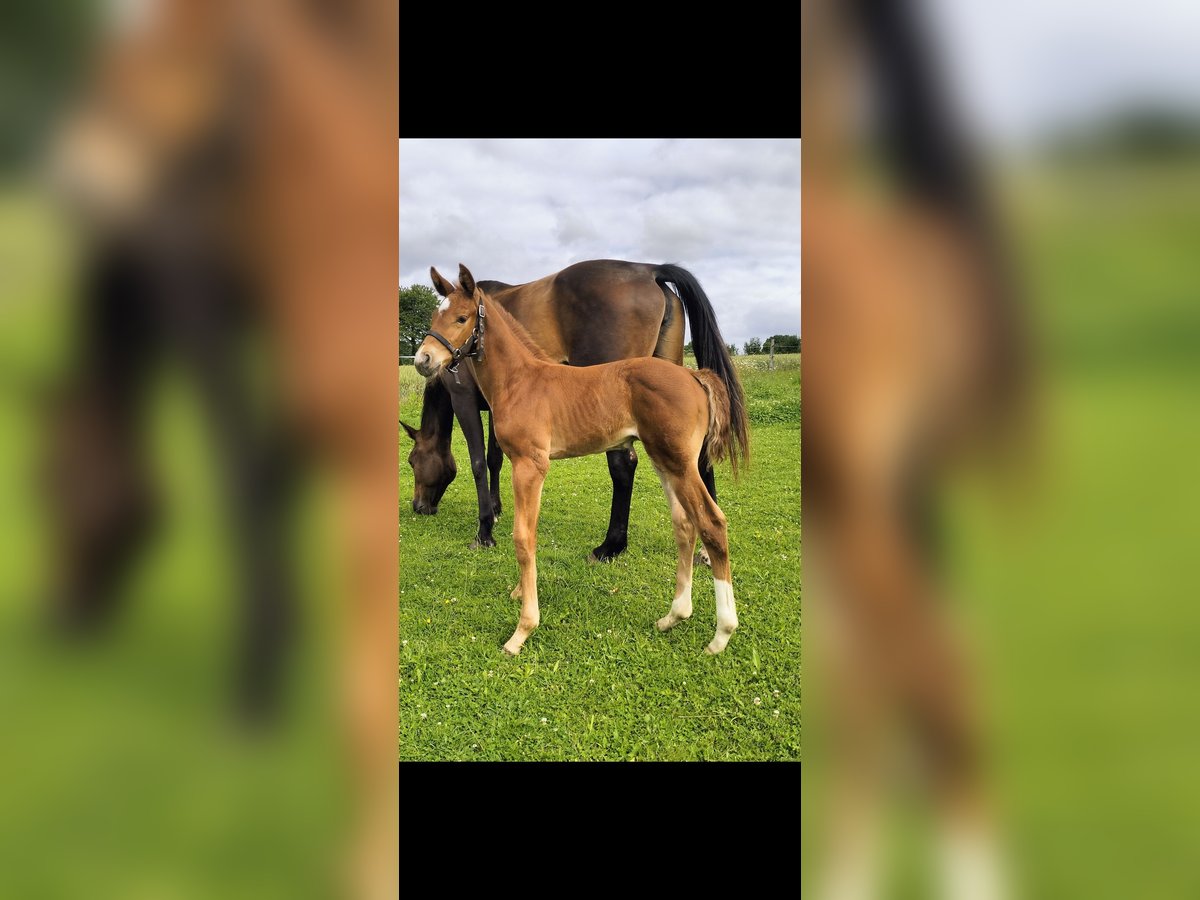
{"type": "Point", "coordinates": [444, 305]}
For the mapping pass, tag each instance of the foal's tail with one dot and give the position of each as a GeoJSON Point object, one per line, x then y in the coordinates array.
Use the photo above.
{"type": "Point", "coordinates": [720, 440]}
{"type": "Point", "coordinates": [713, 354]}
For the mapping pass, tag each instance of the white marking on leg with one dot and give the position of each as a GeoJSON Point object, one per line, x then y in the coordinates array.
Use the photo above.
{"type": "Point", "coordinates": [971, 864]}
{"type": "Point", "coordinates": [727, 621]}
{"type": "Point", "coordinates": [681, 608]}
{"type": "Point", "coordinates": [852, 871]}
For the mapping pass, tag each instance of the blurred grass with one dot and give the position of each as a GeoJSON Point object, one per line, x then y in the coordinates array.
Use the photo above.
{"type": "Point", "coordinates": [607, 685]}
{"type": "Point", "coordinates": [124, 776]}
{"type": "Point", "coordinates": [1084, 604]}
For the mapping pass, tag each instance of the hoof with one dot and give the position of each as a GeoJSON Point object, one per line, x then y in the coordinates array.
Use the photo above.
{"type": "Point", "coordinates": [606, 553]}
{"type": "Point", "coordinates": [701, 559]}
{"type": "Point", "coordinates": [666, 623]}
{"type": "Point", "coordinates": [483, 542]}
{"type": "Point", "coordinates": [516, 593]}
{"type": "Point", "coordinates": [508, 652]}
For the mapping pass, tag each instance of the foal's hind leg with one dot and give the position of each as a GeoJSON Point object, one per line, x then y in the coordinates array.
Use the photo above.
{"type": "Point", "coordinates": [685, 543]}
{"type": "Point", "coordinates": [710, 521]}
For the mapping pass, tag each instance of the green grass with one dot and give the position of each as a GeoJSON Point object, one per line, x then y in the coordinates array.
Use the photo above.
{"type": "Point", "coordinates": [1084, 598]}
{"type": "Point", "coordinates": [596, 681]}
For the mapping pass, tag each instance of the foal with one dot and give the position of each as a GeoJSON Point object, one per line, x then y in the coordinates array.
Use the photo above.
{"type": "Point", "coordinates": [548, 411]}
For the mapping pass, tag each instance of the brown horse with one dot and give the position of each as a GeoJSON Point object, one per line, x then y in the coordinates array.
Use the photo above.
{"type": "Point", "coordinates": [546, 411]}
{"type": "Point", "coordinates": [591, 312]}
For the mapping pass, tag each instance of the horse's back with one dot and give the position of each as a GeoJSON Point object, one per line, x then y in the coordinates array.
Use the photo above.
{"type": "Point", "coordinates": [599, 311]}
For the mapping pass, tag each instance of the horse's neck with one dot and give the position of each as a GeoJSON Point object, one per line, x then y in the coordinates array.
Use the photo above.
{"type": "Point", "coordinates": [506, 358]}
{"type": "Point", "coordinates": [437, 415]}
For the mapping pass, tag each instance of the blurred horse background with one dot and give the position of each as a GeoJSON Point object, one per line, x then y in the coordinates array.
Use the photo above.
{"type": "Point", "coordinates": [223, 182]}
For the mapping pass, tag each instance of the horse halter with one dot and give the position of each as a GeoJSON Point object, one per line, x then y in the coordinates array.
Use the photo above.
{"type": "Point", "coordinates": [472, 346]}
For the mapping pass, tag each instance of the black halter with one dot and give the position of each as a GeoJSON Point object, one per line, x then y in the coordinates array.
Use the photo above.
{"type": "Point", "coordinates": [472, 347]}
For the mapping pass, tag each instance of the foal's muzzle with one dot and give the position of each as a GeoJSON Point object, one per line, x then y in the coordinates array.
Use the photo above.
{"type": "Point", "coordinates": [424, 364]}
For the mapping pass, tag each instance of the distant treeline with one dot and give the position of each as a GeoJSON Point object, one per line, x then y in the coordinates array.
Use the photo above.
{"type": "Point", "coordinates": [784, 343]}
{"type": "Point", "coordinates": [1144, 131]}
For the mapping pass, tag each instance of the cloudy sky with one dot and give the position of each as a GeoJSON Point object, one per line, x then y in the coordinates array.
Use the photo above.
{"type": "Point", "coordinates": [516, 210]}
{"type": "Point", "coordinates": [1020, 67]}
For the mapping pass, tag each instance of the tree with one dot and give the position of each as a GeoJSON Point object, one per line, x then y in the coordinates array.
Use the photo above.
{"type": "Point", "coordinates": [687, 349]}
{"type": "Point", "coordinates": [417, 304]}
{"type": "Point", "coordinates": [753, 347]}
{"type": "Point", "coordinates": [732, 349]}
{"type": "Point", "coordinates": [784, 343]}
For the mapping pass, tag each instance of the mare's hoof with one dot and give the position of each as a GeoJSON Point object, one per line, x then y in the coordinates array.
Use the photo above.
{"type": "Point", "coordinates": [483, 542]}
{"type": "Point", "coordinates": [604, 553]}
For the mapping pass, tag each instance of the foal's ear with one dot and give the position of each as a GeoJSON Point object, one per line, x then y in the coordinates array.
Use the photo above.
{"type": "Point", "coordinates": [412, 432]}
{"type": "Point", "coordinates": [467, 280]}
{"type": "Point", "coordinates": [440, 284]}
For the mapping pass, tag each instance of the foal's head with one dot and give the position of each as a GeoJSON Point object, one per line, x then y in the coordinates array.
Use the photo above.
{"type": "Point", "coordinates": [453, 322]}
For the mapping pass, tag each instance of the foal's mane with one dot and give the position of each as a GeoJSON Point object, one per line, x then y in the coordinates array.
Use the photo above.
{"type": "Point", "coordinates": [495, 309]}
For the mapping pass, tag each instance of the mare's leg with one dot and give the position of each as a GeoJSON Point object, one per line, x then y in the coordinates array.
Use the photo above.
{"type": "Point", "coordinates": [622, 464]}
{"type": "Point", "coordinates": [495, 462]}
{"type": "Point", "coordinates": [710, 484]}
{"type": "Point", "coordinates": [528, 474]}
{"type": "Point", "coordinates": [466, 409]}
{"type": "Point", "coordinates": [685, 543]}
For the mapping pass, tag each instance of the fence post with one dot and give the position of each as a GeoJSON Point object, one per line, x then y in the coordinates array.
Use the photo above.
{"type": "Point", "coordinates": [771, 361]}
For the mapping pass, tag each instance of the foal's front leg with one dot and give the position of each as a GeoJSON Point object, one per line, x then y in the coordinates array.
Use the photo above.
{"type": "Point", "coordinates": [528, 474]}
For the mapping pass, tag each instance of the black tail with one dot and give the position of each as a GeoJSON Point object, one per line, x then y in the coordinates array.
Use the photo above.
{"type": "Point", "coordinates": [711, 351]}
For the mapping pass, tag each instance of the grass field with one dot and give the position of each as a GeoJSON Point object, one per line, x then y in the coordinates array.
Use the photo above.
{"type": "Point", "coordinates": [596, 681]}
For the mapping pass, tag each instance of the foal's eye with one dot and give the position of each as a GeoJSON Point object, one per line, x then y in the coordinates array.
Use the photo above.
{"type": "Point", "coordinates": [462, 320]}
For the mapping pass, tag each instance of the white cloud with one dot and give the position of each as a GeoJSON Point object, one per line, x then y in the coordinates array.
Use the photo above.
{"type": "Point", "coordinates": [516, 210]}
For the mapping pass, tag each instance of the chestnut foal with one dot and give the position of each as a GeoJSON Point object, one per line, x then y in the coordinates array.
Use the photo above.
{"type": "Point", "coordinates": [547, 411]}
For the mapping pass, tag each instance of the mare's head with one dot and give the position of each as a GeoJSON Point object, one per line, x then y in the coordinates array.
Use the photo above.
{"type": "Point", "coordinates": [433, 469]}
